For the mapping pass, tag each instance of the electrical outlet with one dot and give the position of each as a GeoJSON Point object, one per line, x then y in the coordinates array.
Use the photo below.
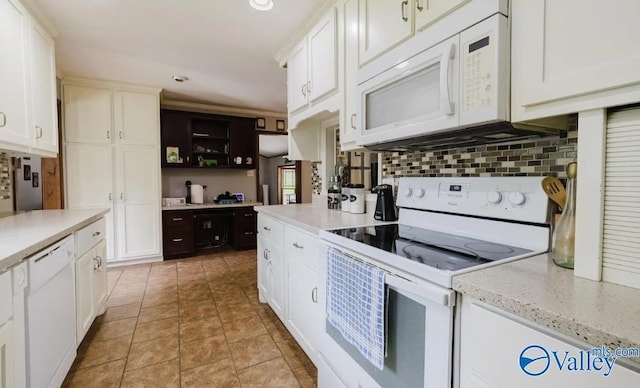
{"type": "Point", "coordinates": [251, 172]}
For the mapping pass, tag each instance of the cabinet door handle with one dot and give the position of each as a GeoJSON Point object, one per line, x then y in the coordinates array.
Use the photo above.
{"type": "Point", "coordinates": [403, 7]}
{"type": "Point", "coordinates": [110, 199]}
{"type": "Point", "coordinates": [122, 197]}
{"type": "Point", "coordinates": [38, 132]}
{"type": "Point", "coordinates": [108, 134]}
{"type": "Point", "coordinates": [178, 239]}
{"type": "Point", "coordinates": [248, 215]}
{"type": "Point", "coordinates": [419, 5]}
{"type": "Point", "coordinates": [248, 233]}
{"type": "Point", "coordinates": [96, 234]}
{"type": "Point", "coordinates": [267, 229]}
{"type": "Point", "coordinates": [177, 219]}
{"type": "Point", "coordinates": [309, 87]}
{"type": "Point", "coordinates": [96, 263]}
{"type": "Point", "coordinates": [120, 135]}
{"type": "Point", "coordinates": [296, 245]}
{"type": "Point", "coordinates": [353, 121]}
{"type": "Point", "coordinates": [314, 295]}
{"type": "Point", "coordinates": [304, 90]}
{"type": "Point", "coordinates": [99, 261]}
{"type": "Point", "coordinates": [3, 119]}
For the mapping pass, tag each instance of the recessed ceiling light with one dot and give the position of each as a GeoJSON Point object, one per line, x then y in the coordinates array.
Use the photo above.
{"type": "Point", "coordinates": [180, 78]}
{"type": "Point", "coordinates": [261, 5]}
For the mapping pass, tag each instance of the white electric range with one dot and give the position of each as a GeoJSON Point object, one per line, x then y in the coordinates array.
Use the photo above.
{"type": "Point", "coordinates": [446, 227]}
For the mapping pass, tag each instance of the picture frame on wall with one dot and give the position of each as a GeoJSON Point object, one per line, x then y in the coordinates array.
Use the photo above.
{"type": "Point", "coordinates": [35, 181]}
{"type": "Point", "coordinates": [26, 172]}
{"type": "Point", "coordinates": [261, 123]}
{"type": "Point", "coordinates": [279, 125]}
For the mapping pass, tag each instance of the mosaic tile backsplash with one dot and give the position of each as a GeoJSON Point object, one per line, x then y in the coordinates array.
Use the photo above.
{"type": "Point", "coordinates": [531, 157]}
{"type": "Point", "coordinates": [5, 181]}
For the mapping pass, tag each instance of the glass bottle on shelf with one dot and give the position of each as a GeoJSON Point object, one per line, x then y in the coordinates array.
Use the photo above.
{"type": "Point", "coordinates": [563, 244]}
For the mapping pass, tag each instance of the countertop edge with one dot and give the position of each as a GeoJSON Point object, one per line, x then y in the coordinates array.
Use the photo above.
{"type": "Point", "coordinates": [291, 221]}
{"type": "Point", "coordinates": [567, 324]}
{"type": "Point", "coordinates": [17, 257]}
{"type": "Point", "coordinates": [211, 206]}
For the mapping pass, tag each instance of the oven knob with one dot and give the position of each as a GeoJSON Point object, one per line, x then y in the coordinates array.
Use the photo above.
{"type": "Point", "coordinates": [420, 193]}
{"type": "Point", "coordinates": [494, 197]}
{"type": "Point", "coordinates": [517, 198]}
{"type": "Point", "coordinates": [408, 192]}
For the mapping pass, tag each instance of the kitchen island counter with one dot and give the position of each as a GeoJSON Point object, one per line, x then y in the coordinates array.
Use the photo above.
{"type": "Point", "coordinates": [598, 313]}
{"type": "Point", "coordinates": [24, 234]}
{"type": "Point", "coordinates": [316, 217]}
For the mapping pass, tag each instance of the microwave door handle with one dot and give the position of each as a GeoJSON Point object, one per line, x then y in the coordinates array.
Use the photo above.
{"type": "Point", "coordinates": [434, 294]}
{"type": "Point", "coordinates": [446, 105]}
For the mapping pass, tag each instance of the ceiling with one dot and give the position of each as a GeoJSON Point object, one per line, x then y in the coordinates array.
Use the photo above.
{"type": "Point", "coordinates": [273, 145]}
{"type": "Point", "coordinates": [225, 47]}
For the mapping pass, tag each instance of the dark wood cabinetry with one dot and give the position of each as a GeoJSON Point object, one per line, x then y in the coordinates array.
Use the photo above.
{"type": "Point", "coordinates": [197, 140]}
{"type": "Point", "coordinates": [244, 228]}
{"type": "Point", "coordinates": [177, 233]}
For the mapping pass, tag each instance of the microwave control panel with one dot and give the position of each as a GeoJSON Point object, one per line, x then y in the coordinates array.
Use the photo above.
{"type": "Point", "coordinates": [478, 73]}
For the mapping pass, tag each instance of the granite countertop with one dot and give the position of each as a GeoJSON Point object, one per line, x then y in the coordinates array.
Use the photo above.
{"type": "Point", "coordinates": [24, 234]}
{"type": "Point", "coordinates": [536, 289]}
{"type": "Point", "coordinates": [316, 217]}
{"type": "Point", "coordinates": [210, 205]}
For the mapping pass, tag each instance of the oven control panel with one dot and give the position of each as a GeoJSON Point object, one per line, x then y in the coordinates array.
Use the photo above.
{"type": "Point", "coordinates": [510, 198]}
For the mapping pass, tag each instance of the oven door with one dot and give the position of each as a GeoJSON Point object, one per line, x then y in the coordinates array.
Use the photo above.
{"type": "Point", "coordinates": [419, 336]}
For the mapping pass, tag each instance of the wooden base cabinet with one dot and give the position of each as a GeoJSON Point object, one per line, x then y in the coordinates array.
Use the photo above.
{"type": "Point", "coordinates": [244, 228]}
{"type": "Point", "coordinates": [177, 233]}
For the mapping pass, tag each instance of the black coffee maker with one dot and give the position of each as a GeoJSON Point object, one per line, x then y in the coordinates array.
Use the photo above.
{"type": "Point", "coordinates": [385, 209]}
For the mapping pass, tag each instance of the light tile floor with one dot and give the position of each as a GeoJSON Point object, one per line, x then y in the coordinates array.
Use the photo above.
{"type": "Point", "coordinates": [189, 323]}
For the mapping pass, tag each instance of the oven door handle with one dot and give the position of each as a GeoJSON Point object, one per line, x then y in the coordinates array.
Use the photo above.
{"type": "Point", "coordinates": [434, 294]}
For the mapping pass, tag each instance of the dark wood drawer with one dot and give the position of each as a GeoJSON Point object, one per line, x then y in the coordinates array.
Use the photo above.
{"type": "Point", "coordinates": [173, 219]}
{"type": "Point", "coordinates": [177, 241]}
{"type": "Point", "coordinates": [244, 229]}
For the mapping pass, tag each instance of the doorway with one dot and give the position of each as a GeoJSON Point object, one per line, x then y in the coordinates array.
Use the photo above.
{"type": "Point", "coordinates": [287, 183]}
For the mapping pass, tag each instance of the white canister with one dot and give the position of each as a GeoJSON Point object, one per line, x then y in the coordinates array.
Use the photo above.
{"type": "Point", "coordinates": [345, 205]}
{"type": "Point", "coordinates": [357, 199]}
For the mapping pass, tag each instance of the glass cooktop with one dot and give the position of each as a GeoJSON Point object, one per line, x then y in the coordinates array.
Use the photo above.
{"type": "Point", "coordinates": [436, 249]}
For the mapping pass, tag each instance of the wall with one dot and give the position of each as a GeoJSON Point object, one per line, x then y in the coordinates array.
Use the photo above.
{"type": "Point", "coordinates": [6, 188]}
{"type": "Point", "coordinates": [532, 157]}
{"type": "Point", "coordinates": [217, 181]}
{"type": "Point", "coordinates": [27, 196]}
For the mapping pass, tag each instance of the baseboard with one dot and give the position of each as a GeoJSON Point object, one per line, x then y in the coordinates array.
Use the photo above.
{"type": "Point", "coordinates": [137, 260]}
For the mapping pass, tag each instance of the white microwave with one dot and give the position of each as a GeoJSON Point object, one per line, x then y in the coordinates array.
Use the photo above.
{"type": "Point", "coordinates": [444, 94]}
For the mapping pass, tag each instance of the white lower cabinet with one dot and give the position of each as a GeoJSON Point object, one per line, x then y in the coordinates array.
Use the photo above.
{"type": "Point", "coordinates": [271, 276]}
{"type": "Point", "coordinates": [13, 371]}
{"type": "Point", "coordinates": [498, 349]}
{"type": "Point", "coordinates": [288, 280]}
{"type": "Point", "coordinates": [91, 276]}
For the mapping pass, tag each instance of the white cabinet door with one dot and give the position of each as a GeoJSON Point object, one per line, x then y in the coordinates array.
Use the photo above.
{"type": "Point", "coordinates": [297, 81]}
{"type": "Point", "coordinates": [304, 318]}
{"type": "Point", "coordinates": [323, 72]}
{"type": "Point", "coordinates": [87, 113]}
{"type": "Point", "coordinates": [100, 277]}
{"type": "Point", "coordinates": [492, 350]}
{"type": "Point", "coordinates": [7, 357]}
{"type": "Point", "coordinates": [429, 11]}
{"type": "Point", "coordinates": [557, 55]}
{"type": "Point", "coordinates": [383, 24]}
{"type": "Point", "coordinates": [138, 201]}
{"type": "Point", "coordinates": [43, 91]}
{"type": "Point", "coordinates": [13, 74]}
{"type": "Point", "coordinates": [263, 270]}
{"type": "Point", "coordinates": [85, 311]}
{"type": "Point", "coordinates": [137, 118]}
{"type": "Point", "coordinates": [349, 51]}
{"type": "Point", "coordinates": [276, 280]}
{"type": "Point", "coordinates": [89, 174]}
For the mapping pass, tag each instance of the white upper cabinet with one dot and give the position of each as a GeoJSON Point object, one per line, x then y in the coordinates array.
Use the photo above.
{"type": "Point", "coordinates": [348, 60]}
{"type": "Point", "coordinates": [563, 63]}
{"type": "Point", "coordinates": [136, 118]}
{"type": "Point", "coordinates": [428, 11]}
{"type": "Point", "coordinates": [43, 91]}
{"type": "Point", "coordinates": [88, 174]}
{"type": "Point", "coordinates": [297, 77]}
{"type": "Point", "coordinates": [87, 113]}
{"type": "Point", "coordinates": [383, 24]}
{"type": "Point", "coordinates": [312, 66]}
{"type": "Point", "coordinates": [14, 129]}
{"type": "Point", "coordinates": [323, 74]}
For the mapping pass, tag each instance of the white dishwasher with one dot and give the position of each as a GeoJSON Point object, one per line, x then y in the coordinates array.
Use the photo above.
{"type": "Point", "coordinates": [51, 319]}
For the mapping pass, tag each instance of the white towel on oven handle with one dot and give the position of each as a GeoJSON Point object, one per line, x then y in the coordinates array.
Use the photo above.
{"type": "Point", "coordinates": [356, 304]}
